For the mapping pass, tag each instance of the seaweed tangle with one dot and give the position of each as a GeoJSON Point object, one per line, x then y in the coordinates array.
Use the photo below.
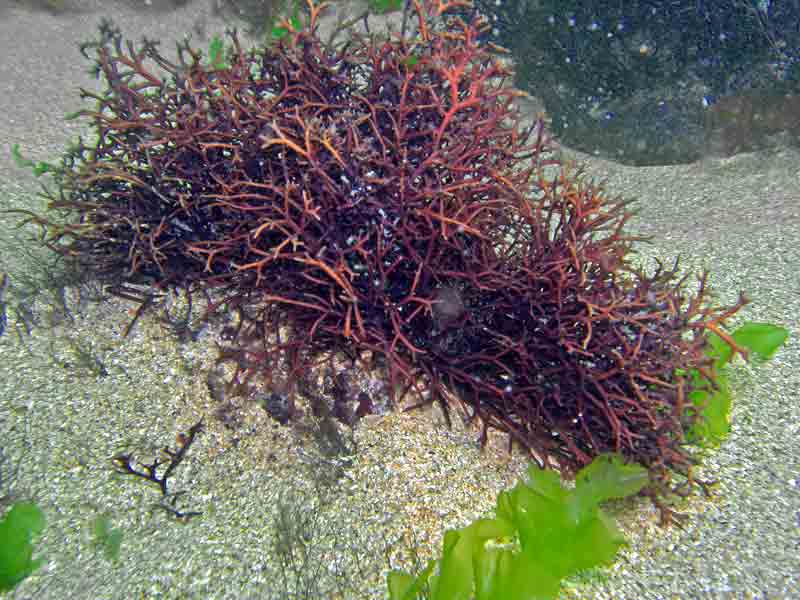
{"type": "Point", "coordinates": [385, 200]}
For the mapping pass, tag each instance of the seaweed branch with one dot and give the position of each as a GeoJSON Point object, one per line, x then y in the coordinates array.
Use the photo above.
{"type": "Point", "coordinates": [124, 463]}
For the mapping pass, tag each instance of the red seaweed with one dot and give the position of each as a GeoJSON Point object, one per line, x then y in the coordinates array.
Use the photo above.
{"type": "Point", "coordinates": [386, 199]}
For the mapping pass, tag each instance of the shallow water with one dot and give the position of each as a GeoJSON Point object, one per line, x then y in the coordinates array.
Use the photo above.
{"type": "Point", "coordinates": [74, 392]}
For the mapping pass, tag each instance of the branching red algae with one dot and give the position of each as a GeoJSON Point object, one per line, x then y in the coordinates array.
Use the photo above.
{"type": "Point", "coordinates": [385, 198]}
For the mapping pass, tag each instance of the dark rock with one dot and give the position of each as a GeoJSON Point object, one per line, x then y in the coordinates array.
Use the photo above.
{"type": "Point", "coordinates": [751, 122]}
{"type": "Point", "coordinates": [633, 81]}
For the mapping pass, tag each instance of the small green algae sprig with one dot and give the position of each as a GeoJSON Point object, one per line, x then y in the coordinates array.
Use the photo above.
{"type": "Point", "coordinates": [38, 168]}
{"type": "Point", "coordinates": [106, 538]}
{"type": "Point", "coordinates": [17, 529]}
{"type": "Point", "coordinates": [541, 533]}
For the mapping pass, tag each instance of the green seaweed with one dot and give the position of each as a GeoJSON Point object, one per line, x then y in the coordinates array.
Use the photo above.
{"type": "Point", "coordinates": [216, 53]}
{"type": "Point", "coordinates": [24, 521]}
{"type": "Point", "coordinates": [382, 7]}
{"type": "Point", "coordinates": [278, 31]}
{"type": "Point", "coordinates": [38, 168]}
{"type": "Point", "coordinates": [541, 533]}
{"type": "Point", "coordinates": [763, 339]}
{"type": "Point", "coordinates": [106, 538]}
{"type": "Point", "coordinates": [714, 402]}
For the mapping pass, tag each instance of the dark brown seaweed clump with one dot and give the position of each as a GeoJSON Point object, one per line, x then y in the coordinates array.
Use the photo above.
{"type": "Point", "coordinates": [383, 199]}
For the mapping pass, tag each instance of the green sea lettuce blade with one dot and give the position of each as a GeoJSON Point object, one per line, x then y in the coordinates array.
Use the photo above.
{"type": "Point", "coordinates": [501, 573]}
{"type": "Point", "coordinates": [716, 410]}
{"type": "Point", "coordinates": [541, 533]}
{"type": "Point", "coordinates": [762, 338]}
{"type": "Point", "coordinates": [564, 530]}
{"type": "Point", "coordinates": [608, 477]}
{"type": "Point", "coordinates": [456, 569]}
{"type": "Point", "coordinates": [24, 521]}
